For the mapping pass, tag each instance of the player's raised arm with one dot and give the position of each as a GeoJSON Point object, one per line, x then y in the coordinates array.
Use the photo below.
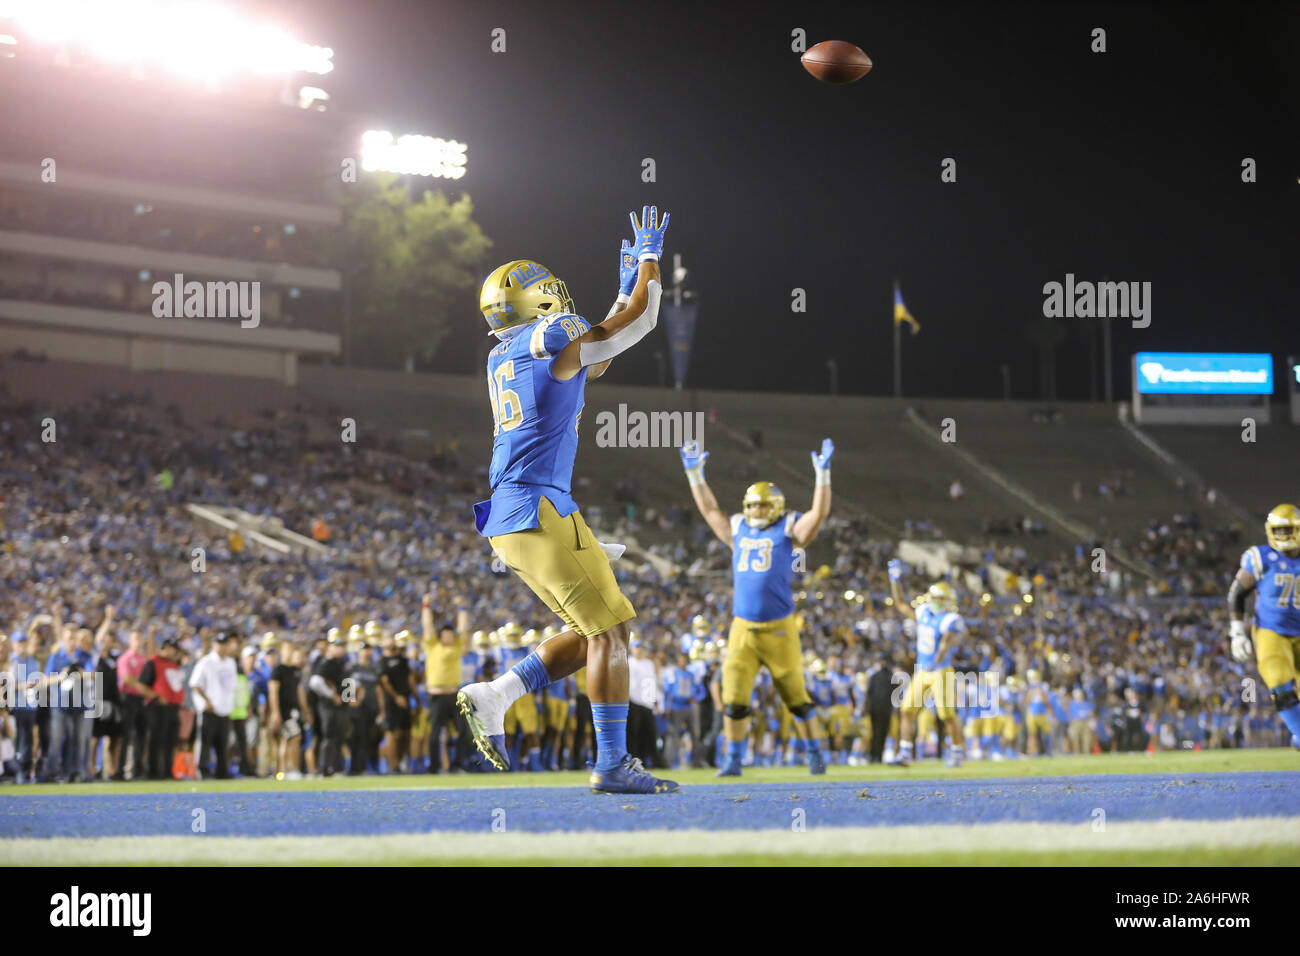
{"type": "Point", "coordinates": [1238, 591]}
{"type": "Point", "coordinates": [810, 522]}
{"type": "Point", "coordinates": [629, 325]}
{"type": "Point", "coordinates": [426, 620]}
{"type": "Point", "coordinates": [901, 603]}
{"type": "Point", "coordinates": [693, 461]}
{"type": "Point", "coordinates": [628, 269]}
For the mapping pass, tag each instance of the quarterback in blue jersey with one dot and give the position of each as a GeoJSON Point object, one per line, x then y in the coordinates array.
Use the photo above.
{"type": "Point", "coordinates": [1272, 571]}
{"type": "Point", "coordinates": [537, 379]}
{"type": "Point", "coordinates": [765, 628]}
{"type": "Point", "coordinates": [939, 630]}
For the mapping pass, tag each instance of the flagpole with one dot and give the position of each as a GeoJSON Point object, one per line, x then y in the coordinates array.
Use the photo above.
{"type": "Point", "coordinates": [898, 353]}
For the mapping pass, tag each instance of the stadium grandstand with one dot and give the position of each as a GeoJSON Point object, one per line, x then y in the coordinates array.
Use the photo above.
{"type": "Point", "coordinates": [115, 177]}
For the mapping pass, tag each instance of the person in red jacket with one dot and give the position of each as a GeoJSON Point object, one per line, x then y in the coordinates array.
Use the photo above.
{"type": "Point", "coordinates": [165, 691]}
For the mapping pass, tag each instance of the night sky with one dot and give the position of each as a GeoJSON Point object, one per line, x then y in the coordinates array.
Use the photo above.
{"type": "Point", "coordinates": [1124, 165]}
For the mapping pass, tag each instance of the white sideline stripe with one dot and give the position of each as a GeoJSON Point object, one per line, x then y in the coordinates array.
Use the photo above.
{"type": "Point", "coordinates": [869, 841]}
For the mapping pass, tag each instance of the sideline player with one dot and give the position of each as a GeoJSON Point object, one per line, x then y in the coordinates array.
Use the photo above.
{"type": "Point", "coordinates": [1272, 571]}
{"type": "Point", "coordinates": [537, 380]}
{"type": "Point", "coordinates": [765, 628]}
{"type": "Point", "coordinates": [939, 629]}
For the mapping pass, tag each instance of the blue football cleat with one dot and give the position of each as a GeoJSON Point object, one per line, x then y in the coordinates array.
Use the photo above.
{"type": "Point", "coordinates": [816, 763]}
{"type": "Point", "coordinates": [629, 777]}
{"type": "Point", "coordinates": [484, 712]}
{"type": "Point", "coordinates": [730, 767]}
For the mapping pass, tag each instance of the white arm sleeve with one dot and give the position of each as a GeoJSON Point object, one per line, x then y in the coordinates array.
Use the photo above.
{"type": "Point", "coordinates": [593, 353]}
{"type": "Point", "coordinates": [321, 686]}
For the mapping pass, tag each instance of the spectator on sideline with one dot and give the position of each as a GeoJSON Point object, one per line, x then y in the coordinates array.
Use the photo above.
{"type": "Point", "coordinates": [161, 676]}
{"type": "Point", "coordinates": [213, 683]}
{"type": "Point", "coordinates": [135, 717]}
{"type": "Point", "coordinates": [643, 701]}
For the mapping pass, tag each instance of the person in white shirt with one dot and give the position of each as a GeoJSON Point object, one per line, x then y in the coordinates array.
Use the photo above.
{"type": "Point", "coordinates": [213, 683]}
{"type": "Point", "coordinates": [643, 701]}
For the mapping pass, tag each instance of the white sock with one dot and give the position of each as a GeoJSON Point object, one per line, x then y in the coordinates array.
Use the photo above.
{"type": "Point", "coordinates": [510, 686]}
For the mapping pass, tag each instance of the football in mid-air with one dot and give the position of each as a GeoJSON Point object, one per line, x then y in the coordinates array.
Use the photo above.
{"type": "Point", "coordinates": [836, 61]}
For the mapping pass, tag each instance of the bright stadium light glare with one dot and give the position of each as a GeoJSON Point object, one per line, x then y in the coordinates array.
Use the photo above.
{"type": "Point", "coordinates": [197, 40]}
{"type": "Point", "coordinates": [412, 154]}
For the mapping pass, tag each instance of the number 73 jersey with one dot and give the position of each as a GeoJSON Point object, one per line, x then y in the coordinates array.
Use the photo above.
{"type": "Point", "coordinates": [762, 566]}
{"type": "Point", "coordinates": [1277, 577]}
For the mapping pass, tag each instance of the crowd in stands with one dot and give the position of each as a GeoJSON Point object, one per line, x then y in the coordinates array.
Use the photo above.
{"type": "Point", "coordinates": [103, 572]}
{"type": "Point", "coordinates": [173, 230]}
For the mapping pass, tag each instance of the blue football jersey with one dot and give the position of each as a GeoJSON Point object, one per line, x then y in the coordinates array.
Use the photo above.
{"type": "Point", "coordinates": [535, 426]}
{"type": "Point", "coordinates": [762, 564]}
{"type": "Point", "coordinates": [1277, 605]}
{"type": "Point", "coordinates": [841, 688]}
{"type": "Point", "coordinates": [931, 626]}
{"type": "Point", "coordinates": [470, 667]}
{"type": "Point", "coordinates": [819, 689]}
{"type": "Point", "coordinates": [510, 656]}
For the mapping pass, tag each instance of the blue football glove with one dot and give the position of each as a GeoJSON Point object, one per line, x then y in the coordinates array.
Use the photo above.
{"type": "Point", "coordinates": [627, 268]}
{"type": "Point", "coordinates": [649, 241]}
{"type": "Point", "coordinates": [693, 461]}
{"type": "Point", "coordinates": [822, 463]}
{"type": "Point", "coordinates": [895, 569]}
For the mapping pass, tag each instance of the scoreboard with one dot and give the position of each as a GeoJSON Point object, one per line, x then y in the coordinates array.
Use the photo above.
{"type": "Point", "coordinates": [1202, 388]}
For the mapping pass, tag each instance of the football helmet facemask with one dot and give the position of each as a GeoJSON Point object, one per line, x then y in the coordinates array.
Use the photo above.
{"type": "Point", "coordinates": [1283, 529]}
{"type": "Point", "coordinates": [942, 597]}
{"type": "Point", "coordinates": [763, 504]}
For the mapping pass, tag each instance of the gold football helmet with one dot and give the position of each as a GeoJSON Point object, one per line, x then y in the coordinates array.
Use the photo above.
{"type": "Point", "coordinates": [520, 292]}
{"type": "Point", "coordinates": [700, 626]}
{"type": "Point", "coordinates": [763, 504]}
{"type": "Point", "coordinates": [941, 596]}
{"type": "Point", "coordinates": [373, 629]}
{"type": "Point", "coordinates": [402, 637]}
{"type": "Point", "coordinates": [510, 634]}
{"type": "Point", "coordinates": [1283, 528]}
{"type": "Point", "coordinates": [479, 641]}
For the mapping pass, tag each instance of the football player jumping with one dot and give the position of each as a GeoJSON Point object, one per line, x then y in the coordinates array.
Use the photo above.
{"type": "Point", "coordinates": [765, 629]}
{"type": "Point", "coordinates": [939, 630]}
{"type": "Point", "coordinates": [537, 380]}
{"type": "Point", "coordinates": [1273, 572]}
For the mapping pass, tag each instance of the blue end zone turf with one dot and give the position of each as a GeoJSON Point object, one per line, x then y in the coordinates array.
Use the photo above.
{"type": "Point", "coordinates": [1216, 796]}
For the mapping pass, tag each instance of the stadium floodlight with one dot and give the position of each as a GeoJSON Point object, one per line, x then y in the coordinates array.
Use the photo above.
{"type": "Point", "coordinates": [197, 40]}
{"type": "Point", "coordinates": [412, 154]}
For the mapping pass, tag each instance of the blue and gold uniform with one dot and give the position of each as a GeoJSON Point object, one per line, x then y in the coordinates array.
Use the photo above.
{"type": "Point", "coordinates": [1277, 614]}
{"type": "Point", "coordinates": [559, 704]}
{"type": "Point", "coordinates": [934, 677]}
{"type": "Point", "coordinates": [840, 723]}
{"type": "Point", "coordinates": [765, 629]}
{"type": "Point", "coordinates": [522, 715]}
{"type": "Point", "coordinates": [531, 519]}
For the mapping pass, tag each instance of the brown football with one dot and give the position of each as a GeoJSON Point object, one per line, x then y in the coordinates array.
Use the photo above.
{"type": "Point", "coordinates": [836, 61]}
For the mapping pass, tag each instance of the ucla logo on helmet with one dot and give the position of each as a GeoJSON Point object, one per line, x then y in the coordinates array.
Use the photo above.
{"type": "Point", "coordinates": [530, 272]}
